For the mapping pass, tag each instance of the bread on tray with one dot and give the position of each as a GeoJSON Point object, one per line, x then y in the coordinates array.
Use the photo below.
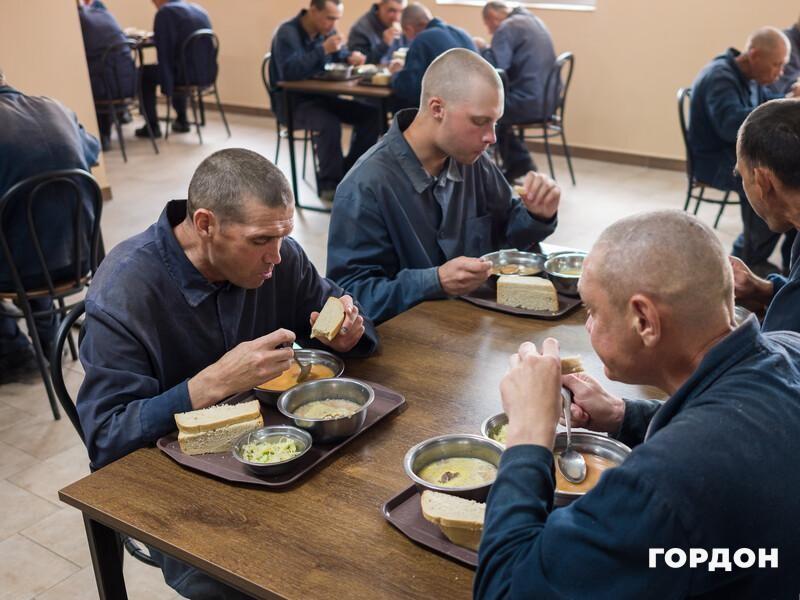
{"type": "Point", "coordinates": [214, 429]}
{"type": "Point", "coordinates": [461, 520]}
{"type": "Point", "coordinates": [531, 293]}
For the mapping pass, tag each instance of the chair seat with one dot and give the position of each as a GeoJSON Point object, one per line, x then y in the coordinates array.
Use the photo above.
{"type": "Point", "coordinates": [59, 288]}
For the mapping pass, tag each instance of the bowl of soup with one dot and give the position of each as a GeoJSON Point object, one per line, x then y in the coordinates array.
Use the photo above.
{"type": "Point", "coordinates": [600, 453]}
{"type": "Point", "coordinates": [324, 365]}
{"type": "Point", "coordinates": [329, 409]}
{"type": "Point", "coordinates": [459, 464]}
{"type": "Point", "coordinates": [515, 262]}
{"type": "Point", "coordinates": [564, 270]}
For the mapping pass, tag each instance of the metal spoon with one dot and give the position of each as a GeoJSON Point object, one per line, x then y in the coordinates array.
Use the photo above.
{"type": "Point", "coordinates": [305, 370]}
{"type": "Point", "coordinates": [570, 462]}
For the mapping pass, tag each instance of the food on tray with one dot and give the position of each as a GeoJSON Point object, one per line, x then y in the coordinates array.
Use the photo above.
{"type": "Point", "coordinates": [459, 472]}
{"type": "Point", "coordinates": [277, 449]}
{"type": "Point", "coordinates": [571, 271]}
{"type": "Point", "coordinates": [331, 408]}
{"type": "Point", "coordinates": [329, 321]}
{"type": "Point", "coordinates": [515, 269]}
{"type": "Point", "coordinates": [595, 465]}
{"type": "Point", "coordinates": [571, 364]}
{"type": "Point", "coordinates": [288, 379]}
{"type": "Point", "coordinates": [519, 190]}
{"type": "Point", "coordinates": [461, 520]}
{"type": "Point", "coordinates": [499, 434]}
{"type": "Point", "coordinates": [381, 78]}
{"type": "Point", "coordinates": [214, 429]}
{"type": "Point", "coordinates": [531, 293]}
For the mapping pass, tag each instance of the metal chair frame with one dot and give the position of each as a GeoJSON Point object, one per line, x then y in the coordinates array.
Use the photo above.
{"type": "Point", "coordinates": [696, 189]}
{"type": "Point", "coordinates": [194, 92]}
{"type": "Point", "coordinates": [59, 290]}
{"type": "Point", "coordinates": [553, 126]}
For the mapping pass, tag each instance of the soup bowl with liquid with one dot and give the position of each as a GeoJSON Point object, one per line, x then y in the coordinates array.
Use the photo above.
{"type": "Point", "coordinates": [459, 464]}
{"type": "Point", "coordinates": [564, 270]}
{"type": "Point", "coordinates": [324, 365]}
{"type": "Point", "coordinates": [600, 453]}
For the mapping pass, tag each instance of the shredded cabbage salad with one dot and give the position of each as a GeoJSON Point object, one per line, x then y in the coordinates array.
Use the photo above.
{"type": "Point", "coordinates": [270, 451]}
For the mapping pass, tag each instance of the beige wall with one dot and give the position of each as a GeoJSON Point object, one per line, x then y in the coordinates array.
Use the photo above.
{"type": "Point", "coordinates": [631, 56]}
{"type": "Point", "coordinates": [41, 52]}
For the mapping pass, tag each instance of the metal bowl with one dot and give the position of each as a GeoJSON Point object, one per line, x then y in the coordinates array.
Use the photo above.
{"type": "Point", "coordinates": [740, 314]}
{"type": "Point", "coordinates": [328, 430]}
{"type": "Point", "coordinates": [460, 445]}
{"type": "Point", "coordinates": [338, 71]}
{"type": "Point", "coordinates": [491, 424]}
{"type": "Point", "coordinates": [302, 438]}
{"type": "Point", "coordinates": [591, 443]}
{"type": "Point", "coordinates": [319, 357]}
{"type": "Point", "coordinates": [530, 262]}
{"type": "Point", "coordinates": [555, 266]}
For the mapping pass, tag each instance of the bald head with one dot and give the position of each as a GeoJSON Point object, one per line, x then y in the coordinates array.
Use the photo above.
{"type": "Point", "coordinates": [417, 16]}
{"type": "Point", "coordinates": [768, 39]}
{"type": "Point", "coordinates": [494, 6]}
{"type": "Point", "coordinates": [455, 77]}
{"type": "Point", "coordinates": [669, 256]}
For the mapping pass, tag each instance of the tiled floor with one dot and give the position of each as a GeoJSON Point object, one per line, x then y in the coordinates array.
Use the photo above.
{"type": "Point", "coordinates": [43, 552]}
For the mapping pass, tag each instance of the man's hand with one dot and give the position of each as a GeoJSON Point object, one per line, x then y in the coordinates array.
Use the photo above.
{"type": "Point", "coordinates": [247, 365]}
{"type": "Point", "coordinates": [396, 66]}
{"type": "Point", "coordinates": [352, 328]}
{"type": "Point", "coordinates": [541, 195]}
{"type": "Point", "coordinates": [750, 290]}
{"type": "Point", "coordinates": [531, 393]}
{"type": "Point", "coordinates": [463, 275]}
{"type": "Point", "coordinates": [333, 44]}
{"type": "Point", "coordinates": [480, 43]}
{"type": "Point", "coordinates": [794, 91]}
{"type": "Point", "coordinates": [356, 58]}
{"type": "Point", "coordinates": [390, 34]}
{"type": "Point", "coordinates": [592, 406]}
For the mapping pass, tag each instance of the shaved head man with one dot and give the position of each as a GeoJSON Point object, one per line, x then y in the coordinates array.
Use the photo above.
{"type": "Point", "coordinates": [427, 201]}
{"type": "Point", "coordinates": [377, 33]}
{"type": "Point", "coordinates": [659, 295]}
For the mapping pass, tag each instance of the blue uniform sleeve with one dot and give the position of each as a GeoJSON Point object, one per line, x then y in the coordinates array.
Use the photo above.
{"type": "Point", "coordinates": [120, 404]}
{"type": "Point", "coordinates": [778, 281]}
{"type": "Point", "coordinates": [164, 35]}
{"type": "Point", "coordinates": [293, 61]}
{"type": "Point", "coordinates": [596, 547]}
{"type": "Point", "coordinates": [523, 230]}
{"type": "Point", "coordinates": [90, 146]}
{"type": "Point", "coordinates": [359, 41]}
{"type": "Point", "coordinates": [364, 262]}
{"type": "Point", "coordinates": [501, 51]}
{"type": "Point", "coordinates": [638, 414]}
{"type": "Point", "coordinates": [725, 109]}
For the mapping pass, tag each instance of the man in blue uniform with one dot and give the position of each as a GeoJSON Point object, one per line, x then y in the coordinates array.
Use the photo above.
{"type": "Point", "coordinates": [101, 31]}
{"type": "Point", "coordinates": [414, 214]}
{"type": "Point", "coordinates": [39, 134]}
{"type": "Point", "coordinates": [791, 71]}
{"type": "Point", "coordinates": [429, 38]}
{"type": "Point", "coordinates": [523, 48]}
{"type": "Point", "coordinates": [197, 308]}
{"type": "Point", "coordinates": [699, 508]}
{"type": "Point", "coordinates": [175, 21]}
{"type": "Point", "coordinates": [724, 93]}
{"type": "Point", "coordinates": [769, 165]}
{"type": "Point", "coordinates": [301, 47]}
{"type": "Point", "coordinates": [377, 34]}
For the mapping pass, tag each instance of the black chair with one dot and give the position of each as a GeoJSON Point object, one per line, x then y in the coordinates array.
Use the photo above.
{"type": "Point", "coordinates": [189, 85]}
{"type": "Point", "coordinates": [63, 281]}
{"type": "Point", "coordinates": [134, 548]}
{"type": "Point", "coordinates": [696, 189]}
{"type": "Point", "coordinates": [118, 102]}
{"type": "Point", "coordinates": [283, 132]}
{"type": "Point", "coordinates": [553, 126]}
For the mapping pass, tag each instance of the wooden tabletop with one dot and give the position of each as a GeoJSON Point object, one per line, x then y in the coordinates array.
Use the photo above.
{"type": "Point", "coordinates": [352, 87]}
{"type": "Point", "coordinates": [326, 538]}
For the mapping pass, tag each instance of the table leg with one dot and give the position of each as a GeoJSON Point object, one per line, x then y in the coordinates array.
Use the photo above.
{"type": "Point", "coordinates": [106, 554]}
{"type": "Point", "coordinates": [287, 100]}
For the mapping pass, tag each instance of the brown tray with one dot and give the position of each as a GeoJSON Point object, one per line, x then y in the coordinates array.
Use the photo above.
{"type": "Point", "coordinates": [404, 512]}
{"type": "Point", "coordinates": [224, 466]}
{"type": "Point", "coordinates": [486, 297]}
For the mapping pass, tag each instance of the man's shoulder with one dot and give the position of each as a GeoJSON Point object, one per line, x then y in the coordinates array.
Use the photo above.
{"type": "Point", "coordinates": [370, 170]}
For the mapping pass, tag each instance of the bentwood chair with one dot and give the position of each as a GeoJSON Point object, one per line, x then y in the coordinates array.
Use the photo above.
{"type": "Point", "coordinates": [555, 94]}
{"type": "Point", "coordinates": [49, 258]}
{"type": "Point", "coordinates": [696, 189]}
{"type": "Point", "coordinates": [194, 81]}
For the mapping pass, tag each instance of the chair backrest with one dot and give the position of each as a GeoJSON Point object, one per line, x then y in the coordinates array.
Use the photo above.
{"type": "Point", "coordinates": [56, 371]}
{"type": "Point", "coordinates": [684, 100]}
{"type": "Point", "coordinates": [501, 73]}
{"type": "Point", "coordinates": [557, 85]}
{"type": "Point", "coordinates": [198, 61]}
{"type": "Point", "coordinates": [119, 75]}
{"type": "Point", "coordinates": [265, 77]}
{"type": "Point", "coordinates": [56, 215]}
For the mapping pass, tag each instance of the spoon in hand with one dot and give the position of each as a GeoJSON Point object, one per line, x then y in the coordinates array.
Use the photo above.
{"type": "Point", "coordinates": [570, 462]}
{"type": "Point", "coordinates": [305, 370]}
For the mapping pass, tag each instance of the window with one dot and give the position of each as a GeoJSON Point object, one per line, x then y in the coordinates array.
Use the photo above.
{"type": "Point", "coordinates": [579, 5]}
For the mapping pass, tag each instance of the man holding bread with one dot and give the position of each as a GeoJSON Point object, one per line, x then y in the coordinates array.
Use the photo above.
{"type": "Point", "coordinates": [204, 304]}
{"type": "Point", "coordinates": [705, 489]}
{"type": "Point", "coordinates": [414, 213]}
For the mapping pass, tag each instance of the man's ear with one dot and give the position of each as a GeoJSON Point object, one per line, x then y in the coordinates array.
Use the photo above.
{"type": "Point", "coordinates": [436, 107]}
{"type": "Point", "coordinates": [764, 181]}
{"type": "Point", "coordinates": [205, 223]}
{"type": "Point", "coordinates": [645, 319]}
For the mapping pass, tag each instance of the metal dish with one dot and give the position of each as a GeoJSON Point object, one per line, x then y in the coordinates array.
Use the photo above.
{"type": "Point", "coordinates": [328, 430]}
{"type": "Point", "coordinates": [319, 357]}
{"type": "Point", "coordinates": [558, 269]}
{"type": "Point", "coordinates": [460, 445]}
{"type": "Point", "coordinates": [338, 71]}
{"type": "Point", "coordinates": [527, 263]}
{"type": "Point", "coordinates": [302, 438]}
{"type": "Point", "coordinates": [491, 424]}
{"type": "Point", "coordinates": [590, 443]}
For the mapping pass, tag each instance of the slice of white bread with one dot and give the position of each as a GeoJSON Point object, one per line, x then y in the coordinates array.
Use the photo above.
{"type": "Point", "coordinates": [531, 293]}
{"type": "Point", "coordinates": [329, 321]}
{"type": "Point", "coordinates": [216, 440]}
{"type": "Point", "coordinates": [571, 364]}
{"type": "Point", "coordinates": [213, 417]}
{"type": "Point", "coordinates": [461, 520]}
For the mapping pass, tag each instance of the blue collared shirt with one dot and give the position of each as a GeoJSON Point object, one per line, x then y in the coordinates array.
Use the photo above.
{"type": "Point", "coordinates": [703, 478]}
{"type": "Point", "coordinates": [393, 224]}
{"type": "Point", "coordinates": [366, 36]}
{"type": "Point", "coordinates": [438, 37]}
{"type": "Point", "coordinates": [783, 312]}
{"type": "Point", "coordinates": [153, 321]}
{"type": "Point", "coordinates": [523, 48]}
{"type": "Point", "coordinates": [101, 31]}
